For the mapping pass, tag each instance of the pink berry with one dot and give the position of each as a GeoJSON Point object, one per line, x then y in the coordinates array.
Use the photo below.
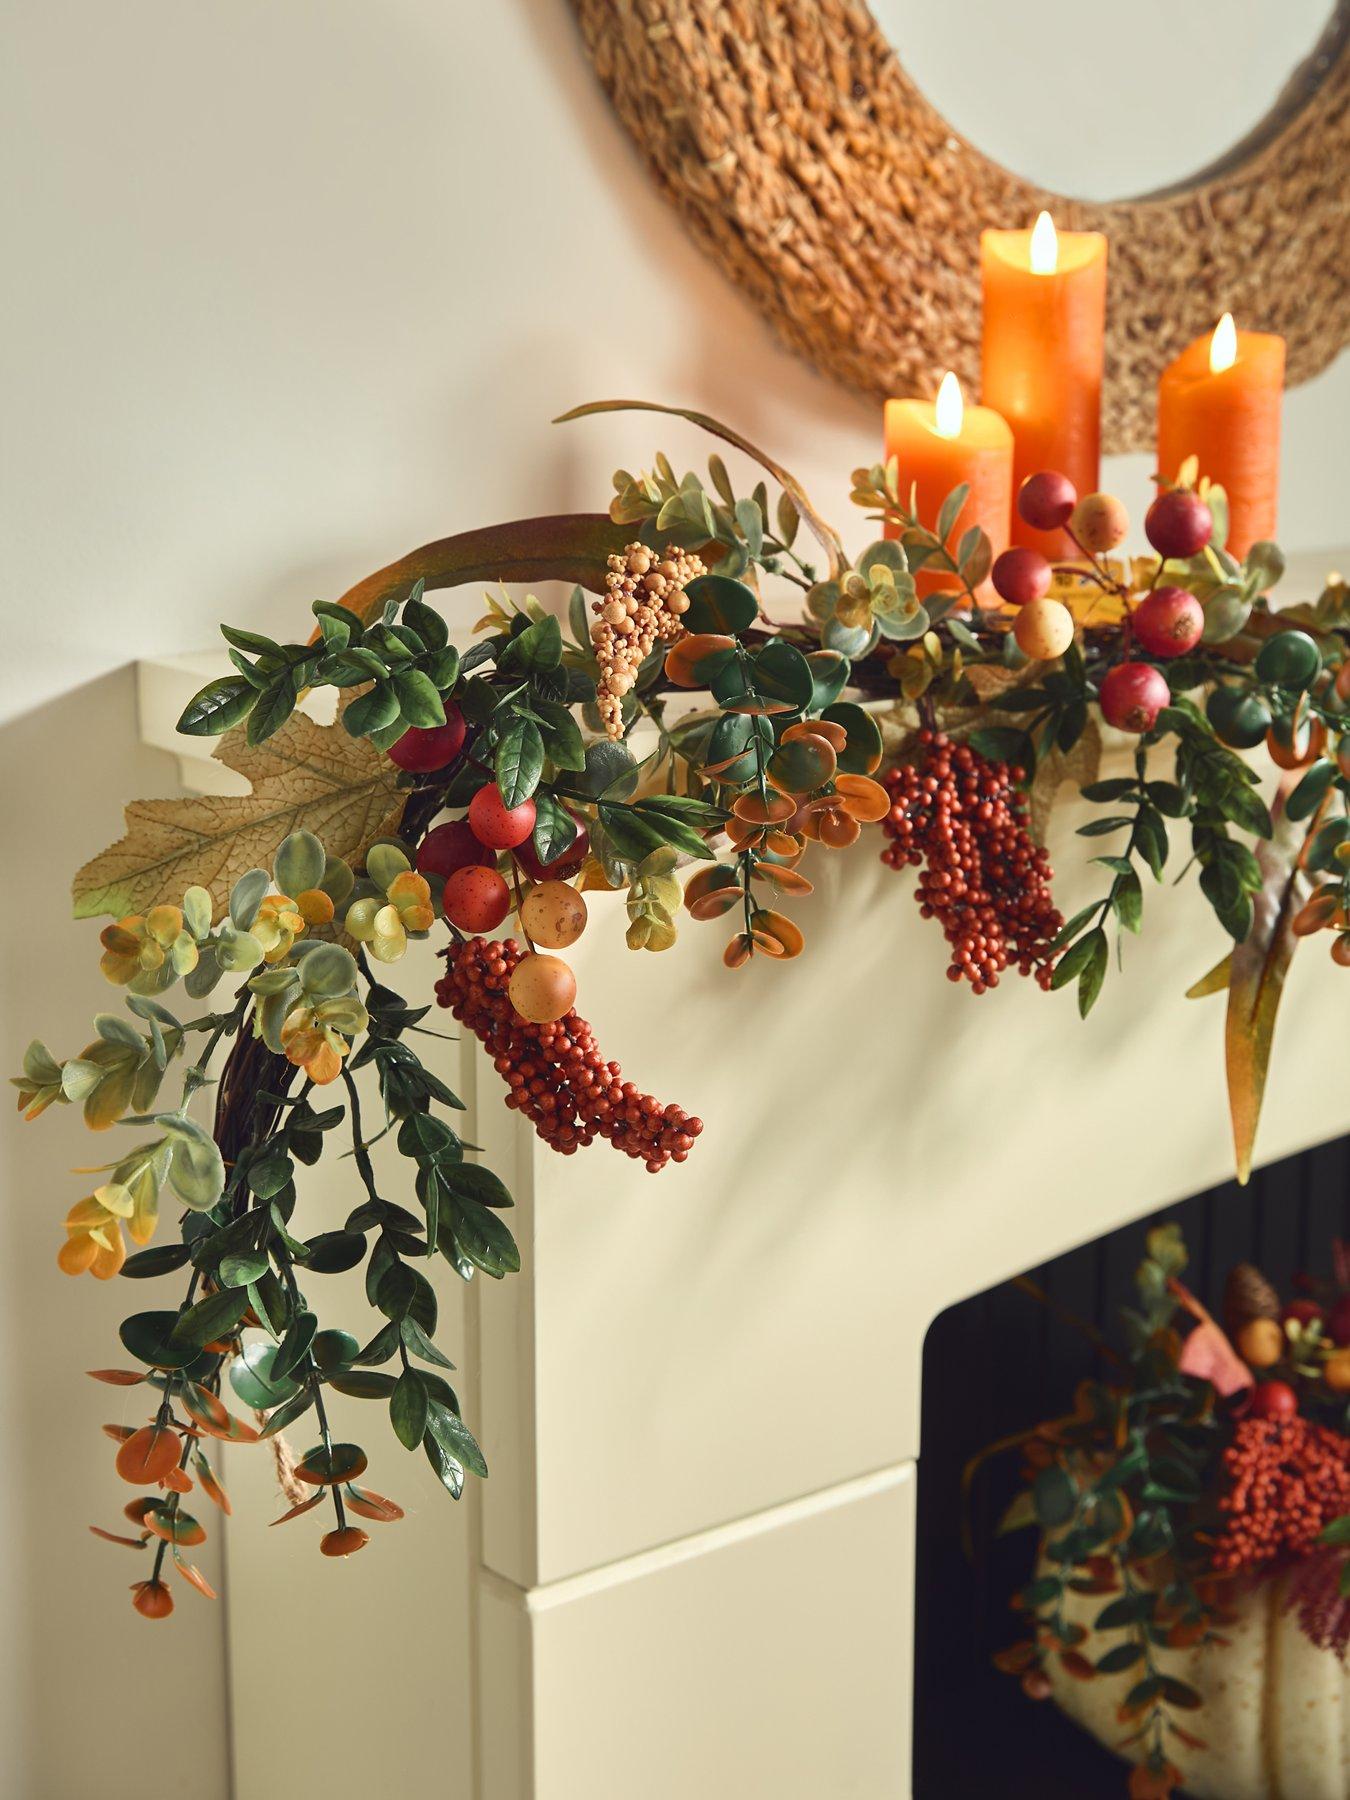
{"type": "Point", "coordinates": [1168, 622]}
{"type": "Point", "coordinates": [1178, 523]}
{"type": "Point", "coordinates": [476, 899]}
{"type": "Point", "coordinates": [1020, 576]}
{"type": "Point", "coordinates": [1045, 500]}
{"type": "Point", "coordinates": [497, 825]}
{"type": "Point", "coordinates": [1132, 695]}
{"type": "Point", "coordinates": [422, 751]}
{"type": "Point", "coordinates": [1274, 1400]}
{"type": "Point", "coordinates": [450, 847]}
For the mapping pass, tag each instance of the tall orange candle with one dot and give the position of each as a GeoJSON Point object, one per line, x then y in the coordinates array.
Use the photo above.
{"type": "Point", "coordinates": [1220, 402]}
{"type": "Point", "coordinates": [1044, 331]}
{"type": "Point", "coordinates": [941, 444]}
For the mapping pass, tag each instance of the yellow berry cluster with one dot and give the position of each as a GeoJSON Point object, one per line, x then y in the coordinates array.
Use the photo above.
{"type": "Point", "coordinates": [642, 605]}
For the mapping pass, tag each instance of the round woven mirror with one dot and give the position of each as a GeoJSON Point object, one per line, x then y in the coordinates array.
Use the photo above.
{"type": "Point", "coordinates": [807, 162]}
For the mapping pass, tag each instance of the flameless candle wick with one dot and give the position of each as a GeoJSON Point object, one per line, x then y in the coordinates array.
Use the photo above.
{"type": "Point", "coordinates": [949, 409]}
{"type": "Point", "coordinates": [1044, 246]}
{"type": "Point", "coordinates": [1223, 345]}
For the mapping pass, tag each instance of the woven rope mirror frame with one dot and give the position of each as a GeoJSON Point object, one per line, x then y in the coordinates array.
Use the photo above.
{"type": "Point", "coordinates": [814, 172]}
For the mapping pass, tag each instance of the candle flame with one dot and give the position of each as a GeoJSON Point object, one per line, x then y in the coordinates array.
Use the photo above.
{"type": "Point", "coordinates": [1223, 345]}
{"type": "Point", "coordinates": [950, 408]}
{"type": "Point", "coordinates": [1044, 246]}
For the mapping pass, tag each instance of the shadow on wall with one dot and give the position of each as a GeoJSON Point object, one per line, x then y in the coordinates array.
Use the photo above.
{"type": "Point", "coordinates": [69, 1630]}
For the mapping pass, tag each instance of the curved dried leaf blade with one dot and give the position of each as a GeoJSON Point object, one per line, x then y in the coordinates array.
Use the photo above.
{"type": "Point", "coordinates": [1256, 980]}
{"type": "Point", "coordinates": [306, 777]}
{"type": "Point", "coordinates": [564, 547]}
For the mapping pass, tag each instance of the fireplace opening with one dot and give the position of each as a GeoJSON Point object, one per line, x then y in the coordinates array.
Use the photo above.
{"type": "Point", "coordinates": [1002, 1361]}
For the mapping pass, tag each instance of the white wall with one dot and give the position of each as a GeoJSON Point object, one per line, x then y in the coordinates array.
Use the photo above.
{"type": "Point", "coordinates": [293, 286]}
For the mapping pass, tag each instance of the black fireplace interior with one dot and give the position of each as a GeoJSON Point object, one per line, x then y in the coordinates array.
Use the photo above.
{"type": "Point", "coordinates": [1000, 1362]}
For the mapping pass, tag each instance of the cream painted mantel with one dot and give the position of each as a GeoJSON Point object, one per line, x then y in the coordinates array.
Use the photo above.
{"type": "Point", "coordinates": [690, 1571]}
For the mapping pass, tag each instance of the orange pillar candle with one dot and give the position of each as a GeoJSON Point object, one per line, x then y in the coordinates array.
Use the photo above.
{"type": "Point", "coordinates": [1220, 403]}
{"type": "Point", "coordinates": [1044, 331]}
{"type": "Point", "coordinates": [939, 445]}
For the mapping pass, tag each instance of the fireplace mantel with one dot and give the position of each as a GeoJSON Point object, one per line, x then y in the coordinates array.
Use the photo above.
{"type": "Point", "coordinates": [689, 1572]}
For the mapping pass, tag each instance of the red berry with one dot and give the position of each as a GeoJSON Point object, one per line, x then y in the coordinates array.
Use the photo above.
{"type": "Point", "coordinates": [476, 899]}
{"type": "Point", "coordinates": [1338, 1321]}
{"type": "Point", "coordinates": [497, 825]}
{"type": "Point", "coordinates": [1045, 500]}
{"type": "Point", "coordinates": [421, 751]}
{"type": "Point", "coordinates": [1168, 622]}
{"type": "Point", "coordinates": [562, 866]}
{"type": "Point", "coordinates": [1178, 523]}
{"type": "Point", "coordinates": [1274, 1400]}
{"type": "Point", "coordinates": [1132, 695]}
{"type": "Point", "coordinates": [1021, 576]}
{"type": "Point", "coordinates": [451, 847]}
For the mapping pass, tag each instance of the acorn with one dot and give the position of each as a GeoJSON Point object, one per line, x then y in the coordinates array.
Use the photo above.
{"type": "Point", "coordinates": [1247, 1295]}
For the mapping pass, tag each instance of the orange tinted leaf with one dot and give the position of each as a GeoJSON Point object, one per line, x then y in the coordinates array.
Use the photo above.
{"type": "Point", "coordinates": [190, 1572]}
{"type": "Point", "coordinates": [111, 1537]}
{"type": "Point", "coordinates": [372, 1506]}
{"type": "Point", "coordinates": [345, 1540]}
{"type": "Point", "coordinates": [117, 1377]}
{"type": "Point", "coordinates": [175, 1527]}
{"type": "Point", "coordinates": [737, 952]}
{"type": "Point", "coordinates": [717, 901]}
{"type": "Point", "coordinates": [148, 1454]}
{"type": "Point", "coordinates": [118, 1433]}
{"type": "Point", "coordinates": [210, 1486]}
{"type": "Point", "coordinates": [211, 1415]}
{"type": "Point", "coordinates": [151, 1599]}
{"type": "Point", "coordinates": [301, 1506]}
{"type": "Point", "coordinates": [178, 1481]}
{"type": "Point", "coordinates": [864, 798]}
{"type": "Point", "coordinates": [1074, 1663]}
{"type": "Point", "coordinates": [787, 881]}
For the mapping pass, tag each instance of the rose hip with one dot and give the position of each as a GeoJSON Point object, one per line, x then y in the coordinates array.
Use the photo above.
{"type": "Point", "coordinates": [1178, 523]}
{"type": "Point", "coordinates": [1020, 576]}
{"type": "Point", "coordinates": [494, 823]}
{"type": "Point", "coordinates": [1132, 695]}
{"type": "Point", "coordinates": [1168, 622]}
{"type": "Point", "coordinates": [1046, 500]}
{"type": "Point", "coordinates": [422, 751]}
{"type": "Point", "coordinates": [450, 847]}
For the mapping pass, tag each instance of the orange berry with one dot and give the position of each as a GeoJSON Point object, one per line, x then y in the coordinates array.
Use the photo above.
{"type": "Point", "coordinates": [542, 988]}
{"type": "Point", "coordinates": [553, 914]}
{"type": "Point", "coordinates": [1261, 1343]}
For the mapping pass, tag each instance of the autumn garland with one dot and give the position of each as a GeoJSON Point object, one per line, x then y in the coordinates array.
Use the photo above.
{"type": "Point", "coordinates": [457, 788]}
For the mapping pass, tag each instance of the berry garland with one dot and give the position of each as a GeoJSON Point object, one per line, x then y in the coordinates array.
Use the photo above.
{"type": "Point", "coordinates": [677, 741]}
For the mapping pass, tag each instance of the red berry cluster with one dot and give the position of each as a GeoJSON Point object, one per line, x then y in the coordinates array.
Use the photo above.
{"type": "Point", "coordinates": [555, 1073]}
{"type": "Point", "coordinates": [986, 880]}
{"type": "Point", "coordinates": [1289, 1479]}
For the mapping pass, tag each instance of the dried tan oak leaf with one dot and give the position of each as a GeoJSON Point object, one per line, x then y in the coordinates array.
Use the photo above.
{"type": "Point", "coordinates": [312, 777]}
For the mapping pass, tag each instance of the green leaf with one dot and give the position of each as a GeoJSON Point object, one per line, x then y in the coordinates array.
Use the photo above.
{"type": "Point", "coordinates": [719, 605]}
{"type": "Point", "coordinates": [418, 700]}
{"type": "Point", "coordinates": [555, 830]}
{"type": "Point", "coordinates": [294, 1346]}
{"type": "Point", "coordinates": [781, 672]}
{"type": "Point", "coordinates": [1055, 1495]}
{"type": "Point", "coordinates": [162, 1260]}
{"type": "Point", "coordinates": [519, 761]}
{"type": "Point", "coordinates": [562, 735]}
{"type": "Point", "coordinates": [408, 1409]}
{"type": "Point", "coordinates": [1337, 1533]}
{"type": "Point", "coordinates": [421, 1345]}
{"type": "Point", "coordinates": [1127, 901]}
{"type": "Point", "coordinates": [1121, 1657]}
{"type": "Point", "coordinates": [371, 711]}
{"type": "Point", "coordinates": [274, 705]}
{"type": "Point", "coordinates": [950, 508]}
{"type": "Point", "coordinates": [631, 835]}
{"type": "Point", "coordinates": [533, 651]}
{"type": "Point", "coordinates": [455, 1438]}
{"type": "Point", "coordinates": [238, 1271]}
{"type": "Point", "coordinates": [211, 1318]}
{"type": "Point", "coordinates": [1003, 743]}
{"type": "Point", "coordinates": [217, 707]}
{"type": "Point", "coordinates": [1093, 973]}
{"type": "Point", "coordinates": [253, 1376]}
{"type": "Point", "coordinates": [471, 1181]}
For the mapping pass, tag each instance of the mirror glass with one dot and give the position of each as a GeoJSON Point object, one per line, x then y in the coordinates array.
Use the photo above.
{"type": "Point", "coordinates": [1105, 100]}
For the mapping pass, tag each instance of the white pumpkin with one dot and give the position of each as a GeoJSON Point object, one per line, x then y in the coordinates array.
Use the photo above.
{"type": "Point", "coordinates": [1276, 1715]}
